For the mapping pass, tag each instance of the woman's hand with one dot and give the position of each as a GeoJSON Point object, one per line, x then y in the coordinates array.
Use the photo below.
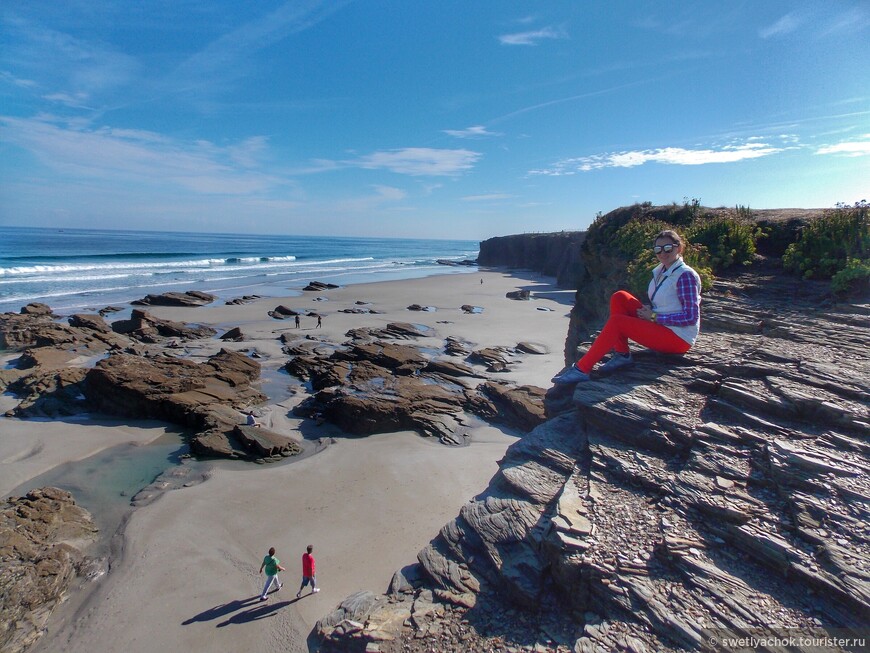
{"type": "Point", "coordinates": [644, 313]}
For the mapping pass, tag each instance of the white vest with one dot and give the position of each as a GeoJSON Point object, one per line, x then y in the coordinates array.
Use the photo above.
{"type": "Point", "coordinates": [663, 296]}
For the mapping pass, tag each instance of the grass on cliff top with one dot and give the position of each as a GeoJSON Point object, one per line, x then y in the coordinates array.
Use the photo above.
{"type": "Point", "coordinates": [835, 245]}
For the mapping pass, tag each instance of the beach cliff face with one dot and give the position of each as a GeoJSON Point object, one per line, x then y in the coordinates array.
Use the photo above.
{"type": "Point", "coordinates": [672, 505]}
{"type": "Point", "coordinates": [555, 255]}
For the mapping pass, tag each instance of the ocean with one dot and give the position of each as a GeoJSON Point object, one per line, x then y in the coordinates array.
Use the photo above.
{"type": "Point", "coordinates": [77, 270]}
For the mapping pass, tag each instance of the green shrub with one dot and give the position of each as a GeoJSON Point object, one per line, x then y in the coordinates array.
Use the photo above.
{"type": "Point", "coordinates": [698, 258]}
{"type": "Point", "coordinates": [825, 246]}
{"type": "Point", "coordinates": [853, 279]}
{"type": "Point", "coordinates": [729, 241]}
{"type": "Point", "coordinates": [637, 236]}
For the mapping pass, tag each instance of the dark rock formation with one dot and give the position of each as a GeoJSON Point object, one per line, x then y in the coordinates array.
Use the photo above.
{"type": "Point", "coordinates": [147, 328]}
{"type": "Point", "coordinates": [522, 406]}
{"type": "Point", "coordinates": [189, 299]}
{"type": "Point", "coordinates": [135, 380]}
{"type": "Point", "coordinates": [682, 499]}
{"type": "Point", "coordinates": [375, 386]}
{"type": "Point", "coordinates": [49, 391]}
{"type": "Point", "coordinates": [318, 286]}
{"type": "Point", "coordinates": [172, 389]}
{"type": "Point", "coordinates": [244, 299]}
{"type": "Point", "coordinates": [494, 359]}
{"type": "Point", "coordinates": [394, 330]}
{"type": "Point", "coordinates": [43, 536]}
{"type": "Point", "coordinates": [285, 311]}
{"type": "Point", "coordinates": [35, 308]}
{"type": "Point", "coordinates": [21, 330]}
{"type": "Point", "coordinates": [235, 335]}
{"type": "Point", "coordinates": [92, 322]}
{"type": "Point", "coordinates": [521, 295]}
{"type": "Point", "coordinates": [532, 348]}
{"type": "Point", "coordinates": [205, 397]}
{"type": "Point", "coordinates": [359, 311]}
{"type": "Point", "coordinates": [263, 443]}
{"type": "Point", "coordinates": [464, 262]}
{"type": "Point", "coordinates": [554, 255]}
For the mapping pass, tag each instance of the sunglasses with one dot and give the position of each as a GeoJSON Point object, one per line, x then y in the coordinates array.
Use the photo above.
{"type": "Point", "coordinates": [667, 249]}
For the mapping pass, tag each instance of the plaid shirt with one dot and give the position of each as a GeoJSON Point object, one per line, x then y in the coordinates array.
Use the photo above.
{"type": "Point", "coordinates": [690, 298]}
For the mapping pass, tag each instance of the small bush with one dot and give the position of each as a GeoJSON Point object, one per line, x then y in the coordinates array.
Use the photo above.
{"type": "Point", "coordinates": [825, 246]}
{"type": "Point", "coordinates": [729, 241]}
{"type": "Point", "coordinates": [854, 279]}
{"type": "Point", "coordinates": [637, 235]}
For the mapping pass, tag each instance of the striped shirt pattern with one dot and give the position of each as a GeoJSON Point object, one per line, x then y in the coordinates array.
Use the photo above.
{"type": "Point", "coordinates": [689, 295]}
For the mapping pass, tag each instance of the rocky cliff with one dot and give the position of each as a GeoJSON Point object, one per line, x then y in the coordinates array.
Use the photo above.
{"type": "Point", "coordinates": [554, 255]}
{"type": "Point", "coordinates": [668, 507]}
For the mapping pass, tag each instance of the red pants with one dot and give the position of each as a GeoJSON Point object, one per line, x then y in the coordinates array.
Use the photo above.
{"type": "Point", "coordinates": [623, 324]}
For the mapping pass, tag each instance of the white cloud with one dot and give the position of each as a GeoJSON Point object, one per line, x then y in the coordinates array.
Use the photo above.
{"type": "Point", "coordinates": [848, 148]}
{"type": "Point", "coordinates": [852, 20]}
{"type": "Point", "coordinates": [228, 56]}
{"type": "Point", "coordinates": [390, 193]}
{"type": "Point", "coordinates": [246, 153]}
{"type": "Point", "coordinates": [75, 100]}
{"type": "Point", "coordinates": [6, 76]}
{"type": "Point", "coordinates": [667, 155]}
{"type": "Point", "coordinates": [785, 25]}
{"type": "Point", "coordinates": [478, 131]}
{"type": "Point", "coordinates": [531, 38]}
{"type": "Point", "coordinates": [420, 161]}
{"type": "Point", "coordinates": [71, 66]}
{"type": "Point", "coordinates": [136, 156]}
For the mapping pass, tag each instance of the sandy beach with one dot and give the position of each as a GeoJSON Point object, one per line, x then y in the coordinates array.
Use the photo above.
{"type": "Point", "coordinates": [186, 576]}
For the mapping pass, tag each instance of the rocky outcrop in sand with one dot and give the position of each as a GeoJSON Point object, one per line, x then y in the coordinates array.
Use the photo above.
{"type": "Point", "coordinates": [206, 397]}
{"type": "Point", "coordinates": [37, 327]}
{"type": "Point", "coordinates": [188, 299]}
{"type": "Point", "coordinates": [377, 386]}
{"type": "Point", "coordinates": [319, 286]}
{"type": "Point", "coordinates": [43, 536]}
{"type": "Point", "coordinates": [85, 366]}
{"type": "Point", "coordinates": [146, 328]}
{"type": "Point", "coordinates": [681, 500]}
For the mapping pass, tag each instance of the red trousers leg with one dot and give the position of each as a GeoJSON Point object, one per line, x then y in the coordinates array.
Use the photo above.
{"type": "Point", "coordinates": [623, 324]}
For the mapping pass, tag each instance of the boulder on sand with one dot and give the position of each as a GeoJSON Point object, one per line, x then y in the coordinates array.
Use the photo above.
{"type": "Point", "coordinates": [190, 298]}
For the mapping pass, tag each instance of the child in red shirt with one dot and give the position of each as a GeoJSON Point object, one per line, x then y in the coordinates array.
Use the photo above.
{"type": "Point", "coordinates": [309, 569]}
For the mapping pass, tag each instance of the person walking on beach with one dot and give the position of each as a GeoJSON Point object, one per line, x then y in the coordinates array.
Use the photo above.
{"type": "Point", "coordinates": [319, 321]}
{"type": "Point", "coordinates": [309, 568]}
{"type": "Point", "coordinates": [297, 321]}
{"type": "Point", "coordinates": [272, 566]}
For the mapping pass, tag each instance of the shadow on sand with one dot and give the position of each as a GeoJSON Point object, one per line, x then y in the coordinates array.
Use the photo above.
{"type": "Point", "coordinates": [254, 609]}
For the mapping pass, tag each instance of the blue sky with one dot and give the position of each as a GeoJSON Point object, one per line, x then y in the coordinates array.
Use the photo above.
{"type": "Point", "coordinates": [433, 119]}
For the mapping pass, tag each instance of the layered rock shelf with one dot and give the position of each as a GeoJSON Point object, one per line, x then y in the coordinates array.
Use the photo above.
{"type": "Point", "coordinates": [42, 538]}
{"type": "Point", "coordinates": [677, 502]}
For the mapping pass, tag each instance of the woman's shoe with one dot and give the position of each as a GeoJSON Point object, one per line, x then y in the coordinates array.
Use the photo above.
{"type": "Point", "coordinates": [569, 376]}
{"type": "Point", "coordinates": [616, 361]}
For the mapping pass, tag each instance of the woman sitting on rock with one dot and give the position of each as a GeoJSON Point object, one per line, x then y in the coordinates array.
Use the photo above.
{"type": "Point", "coordinates": [670, 325]}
